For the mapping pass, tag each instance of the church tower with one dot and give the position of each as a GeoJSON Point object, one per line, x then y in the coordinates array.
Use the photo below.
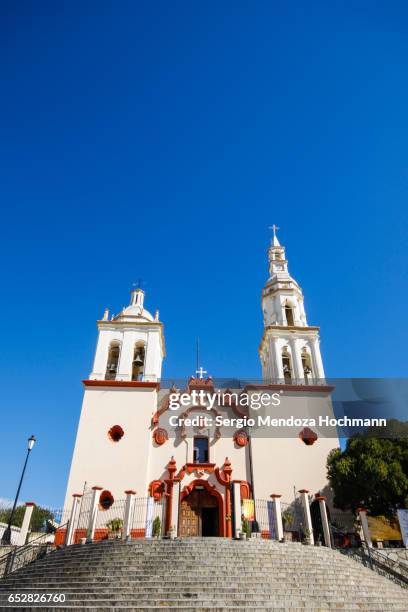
{"type": "Point", "coordinates": [130, 344]}
{"type": "Point", "coordinates": [113, 441]}
{"type": "Point", "coordinates": [289, 350]}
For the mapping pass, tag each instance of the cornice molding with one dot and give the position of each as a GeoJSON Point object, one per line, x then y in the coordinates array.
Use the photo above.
{"type": "Point", "coordinates": [122, 383]}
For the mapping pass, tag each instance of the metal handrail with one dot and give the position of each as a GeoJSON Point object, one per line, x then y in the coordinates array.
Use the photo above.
{"type": "Point", "coordinates": [378, 561]}
{"type": "Point", "coordinates": [21, 556]}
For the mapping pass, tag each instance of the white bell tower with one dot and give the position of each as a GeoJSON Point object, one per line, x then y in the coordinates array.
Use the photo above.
{"type": "Point", "coordinates": [289, 349]}
{"type": "Point", "coordinates": [130, 345]}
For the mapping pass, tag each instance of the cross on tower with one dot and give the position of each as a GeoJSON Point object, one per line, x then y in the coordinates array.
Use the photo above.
{"type": "Point", "coordinates": [200, 372]}
{"type": "Point", "coordinates": [274, 228]}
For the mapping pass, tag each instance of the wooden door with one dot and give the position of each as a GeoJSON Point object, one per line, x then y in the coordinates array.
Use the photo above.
{"type": "Point", "coordinates": [191, 513]}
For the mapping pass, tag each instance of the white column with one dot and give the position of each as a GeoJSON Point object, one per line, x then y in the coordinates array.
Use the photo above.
{"type": "Point", "coordinates": [175, 505]}
{"type": "Point", "coordinates": [276, 358]}
{"type": "Point", "coordinates": [297, 362]}
{"type": "Point", "coordinates": [26, 523]}
{"type": "Point", "coordinates": [325, 521]}
{"type": "Point", "coordinates": [278, 516]}
{"type": "Point", "coordinates": [236, 495]}
{"type": "Point", "coordinates": [362, 513]}
{"type": "Point", "coordinates": [126, 356]}
{"type": "Point", "coordinates": [149, 517]}
{"type": "Point", "coordinates": [127, 521]}
{"type": "Point", "coordinates": [93, 514]}
{"type": "Point", "coordinates": [306, 511]}
{"type": "Point", "coordinates": [76, 501]}
{"type": "Point", "coordinates": [317, 358]}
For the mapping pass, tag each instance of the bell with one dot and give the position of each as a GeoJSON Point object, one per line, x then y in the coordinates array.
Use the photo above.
{"type": "Point", "coordinates": [138, 360]}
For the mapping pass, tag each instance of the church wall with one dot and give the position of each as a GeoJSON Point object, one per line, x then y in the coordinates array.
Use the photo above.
{"type": "Point", "coordinates": [115, 466]}
{"type": "Point", "coordinates": [282, 463]}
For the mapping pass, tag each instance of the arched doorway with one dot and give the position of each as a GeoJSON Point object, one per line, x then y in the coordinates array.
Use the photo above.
{"type": "Point", "coordinates": [200, 511]}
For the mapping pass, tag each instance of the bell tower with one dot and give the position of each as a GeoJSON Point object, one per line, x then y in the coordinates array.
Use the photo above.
{"type": "Point", "coordinates": [130, 344]}
{"type": "Point", "coordinates": [114, 441]}
{"type": "Point", "coordinates": [289, 349]}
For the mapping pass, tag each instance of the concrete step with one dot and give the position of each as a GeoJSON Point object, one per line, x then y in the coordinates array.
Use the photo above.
{"type": "Point", "coordinates": [204, 574]}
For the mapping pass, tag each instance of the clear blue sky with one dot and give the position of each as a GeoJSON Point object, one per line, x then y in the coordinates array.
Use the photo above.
{"type": "Point", "coordinates": [159, 140]}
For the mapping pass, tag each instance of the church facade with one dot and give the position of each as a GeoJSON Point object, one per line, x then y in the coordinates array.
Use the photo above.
{"type": "Point", "coordinates": [200, 457]}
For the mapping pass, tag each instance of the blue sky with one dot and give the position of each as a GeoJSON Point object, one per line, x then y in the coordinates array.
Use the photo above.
{"type": "Point", "coordinates": [160, 140]}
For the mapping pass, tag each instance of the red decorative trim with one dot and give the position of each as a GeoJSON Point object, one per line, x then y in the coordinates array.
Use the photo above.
{"type": "Point", "coordinates": [97, 488]}
{"type": "Point", "coordinates": [121, 383]}
{"type": "Point", "coordinates": [30, 504]}
{"type": "Point", "coordinates": [79, 533]}
{"type": "Point", "coordinates": [212, 490]}
{"type": "Point", "coordinates": [160, 436]}
{"type": "Point", "coordinates": [244, 489]}
{"type": "Point", "coordinates": [77, 495]}
{"type": "Point", "coordinates": [192, 467]}
{"type": "Point", "coordinates": [116, 433]}
{"type": "Point", "coordinates": [303, 491]}
{"type": "Point", "coordinates": [156, 489]}
{"type": "Point", "coordinates": [361, 510]}
{"type": "Point", "coordinates": [308, 436]}
{"type": "Point", "coordinates": [240, 438]}
{"type": "Point", "coordinates": [275, 495]}
{"type": "Point", "coordinates": [130, 492]}
{"type": "Point", "coordinates": [206, 384]}
{"type": "Point", "coordinates": [59, 537]}
{"type": "Point", "coordinates": [172, 469]}
{"type": "Point", "coordinates": [224, 476]}
{"type": "Point", "coordinates": [107, 497]}
{"type": "Point", "coordinates": [320, 498]}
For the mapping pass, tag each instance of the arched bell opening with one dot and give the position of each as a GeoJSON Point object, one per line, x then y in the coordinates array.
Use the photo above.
{"type": "Point", "coordinates": [287, 366]}
{"type": "Point", "coordinates": [307, 366]}
{"type": "Point", "coordinates": [138, 362]}
{"type": "Point", "coordinates": [113, 361]}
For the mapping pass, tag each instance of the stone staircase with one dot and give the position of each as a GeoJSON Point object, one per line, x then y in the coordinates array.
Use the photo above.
{"type": "Point", "coordinates": [203, 574]}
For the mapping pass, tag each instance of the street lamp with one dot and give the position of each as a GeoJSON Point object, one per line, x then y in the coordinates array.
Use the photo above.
{"type": "Point", "coordinates": [6, 538]}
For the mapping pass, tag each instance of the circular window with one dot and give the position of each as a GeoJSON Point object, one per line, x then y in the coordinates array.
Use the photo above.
{"type": "Point", "coordinates": [116, 433]}
{"type": "Point", "coordinates": [106, 500]}
{"type": "Point", "coordinates": [308, 436]}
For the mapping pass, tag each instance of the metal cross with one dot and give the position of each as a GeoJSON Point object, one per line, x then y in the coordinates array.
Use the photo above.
{"type": "Point", "coordinates": [274, 228]}
{"type": "Point", "coordinates": [200, 372]}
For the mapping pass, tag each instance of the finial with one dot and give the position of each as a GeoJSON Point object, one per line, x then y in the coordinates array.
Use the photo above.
{"type": "Point", "coordinates": [274, 241]}
{"type": "Point", "coordinates": [201, 372]}
{"type": "Point", "coordinates": [138, 285]}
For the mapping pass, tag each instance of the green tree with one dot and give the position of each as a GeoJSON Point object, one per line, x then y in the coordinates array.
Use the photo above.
{"type": "Point", "coordinates": [370, 472]}
{"type": "Point", "coordinates": [38, 518]}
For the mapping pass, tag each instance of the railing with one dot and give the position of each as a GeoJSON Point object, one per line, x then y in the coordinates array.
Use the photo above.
{"type": "Point", "coordinates": [21, 556]}
{"type": "Point", "coordinates": [380, 563]}
{"type": "Point", "coordinates": [240, 383]}
{"type": "Point", "coordinates": [145, 512]}
{"type": "Point", "coordinates": [292, 519]}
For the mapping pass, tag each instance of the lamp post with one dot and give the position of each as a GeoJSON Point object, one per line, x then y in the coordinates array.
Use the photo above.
{"type": "Point", "coordinates": [6, 539]}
